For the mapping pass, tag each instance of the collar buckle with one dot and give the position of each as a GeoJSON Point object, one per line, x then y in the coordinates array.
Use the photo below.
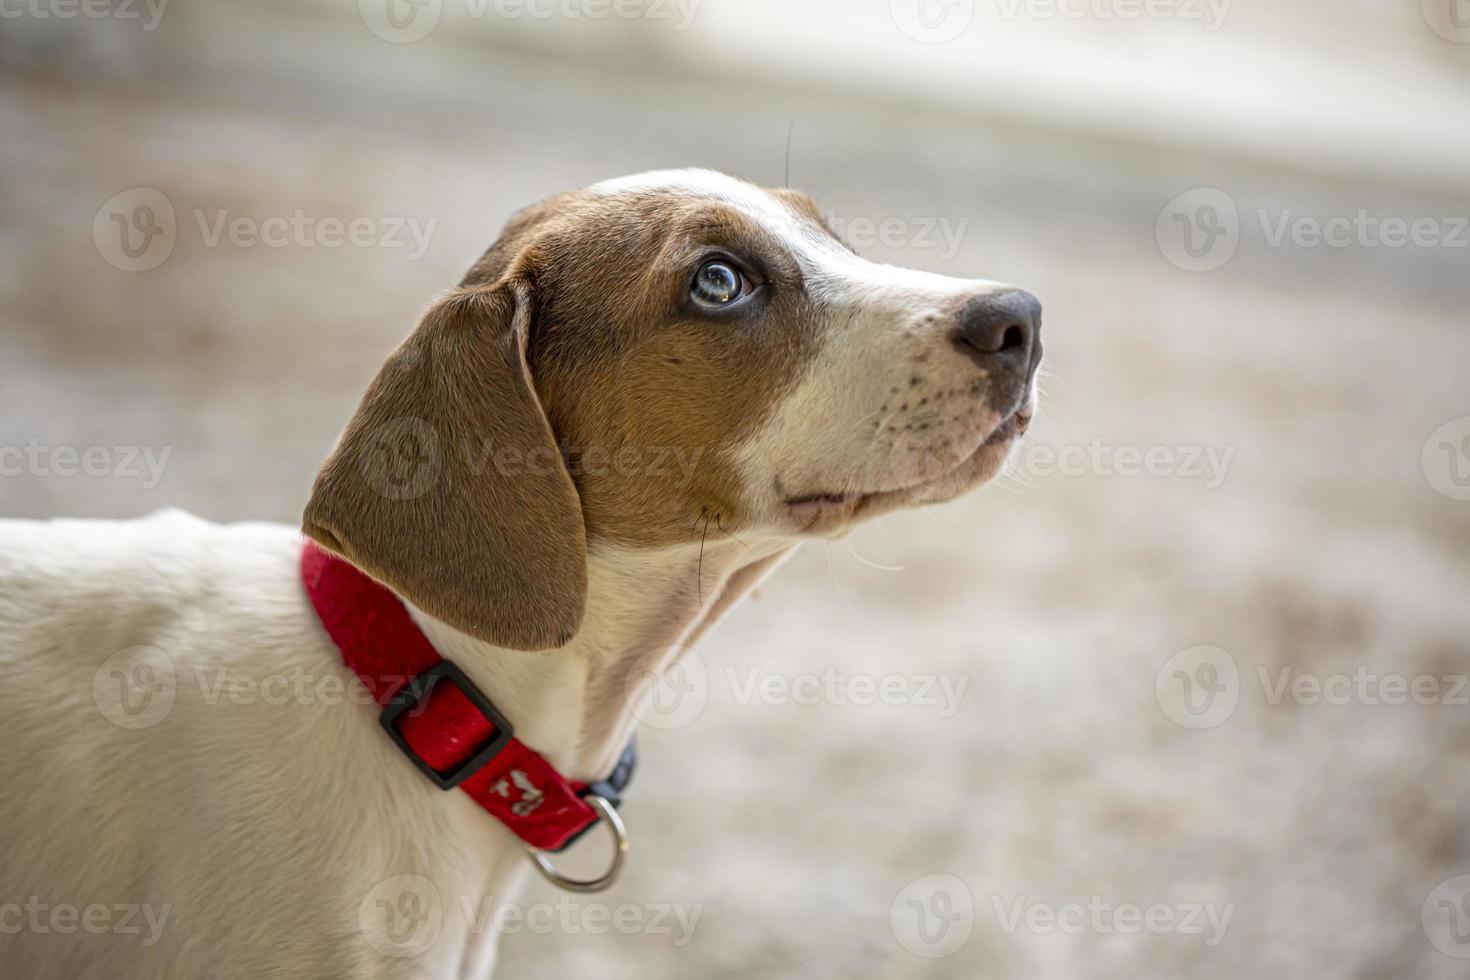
{"type": "Point", "coordinates": [413, 698]}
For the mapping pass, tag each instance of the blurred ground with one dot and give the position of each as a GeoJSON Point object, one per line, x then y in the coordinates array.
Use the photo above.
{"type": "Point", "coordinates": [1323, 547]}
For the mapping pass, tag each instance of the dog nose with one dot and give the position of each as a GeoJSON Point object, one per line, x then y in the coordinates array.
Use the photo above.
{"type": "Point", "coordinates": [1001, 327]}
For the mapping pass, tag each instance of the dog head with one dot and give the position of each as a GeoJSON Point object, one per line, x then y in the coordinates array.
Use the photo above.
{"type": "Point", "coordinates": [632, 362]}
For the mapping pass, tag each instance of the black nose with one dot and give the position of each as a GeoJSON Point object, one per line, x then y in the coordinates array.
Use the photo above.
{"type": "Point", "coordinates": [1001, 327]}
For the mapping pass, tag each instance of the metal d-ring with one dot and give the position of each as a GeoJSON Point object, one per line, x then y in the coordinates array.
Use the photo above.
{"type": "Point", "coordinates": [609, 816]}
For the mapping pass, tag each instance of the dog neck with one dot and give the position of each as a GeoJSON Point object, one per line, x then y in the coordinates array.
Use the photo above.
{"type": "Point", "coordinates": [577, 705]}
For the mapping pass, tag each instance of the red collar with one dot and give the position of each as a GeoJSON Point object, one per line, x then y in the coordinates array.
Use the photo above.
{"type": "Point", "coordinates": [443, 723]}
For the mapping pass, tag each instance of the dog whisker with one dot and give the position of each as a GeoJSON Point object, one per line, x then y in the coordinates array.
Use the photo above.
{"type": "Point", "coordinates": [832, 571]}
{"type": "Point", "coordinates": [728, 534]}
{"type": "Point", "coordinates": [699, 569]}
{"type": "Point", "coordinates": [872, 564]}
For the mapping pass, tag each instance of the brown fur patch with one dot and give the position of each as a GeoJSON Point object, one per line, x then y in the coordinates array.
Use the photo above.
{"type": "Point", "coordinates": [648, 394]}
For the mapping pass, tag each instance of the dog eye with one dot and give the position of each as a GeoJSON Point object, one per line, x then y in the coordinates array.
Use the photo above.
{"type": "Point", "coordinates": [717, 284]}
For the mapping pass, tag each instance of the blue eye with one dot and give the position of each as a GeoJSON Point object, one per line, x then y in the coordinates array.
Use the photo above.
{"type": "Point", "coordinates": [717, 284]}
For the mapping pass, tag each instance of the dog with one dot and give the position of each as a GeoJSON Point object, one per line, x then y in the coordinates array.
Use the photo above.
{"type": "Point", "coordinates": [637, 402]}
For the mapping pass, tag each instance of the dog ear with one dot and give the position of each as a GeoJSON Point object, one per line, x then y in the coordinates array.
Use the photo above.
{"type": "Point", "coordinates": [448, 487]}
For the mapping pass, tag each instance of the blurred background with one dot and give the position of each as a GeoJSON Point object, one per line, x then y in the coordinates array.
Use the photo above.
{"type": "Point", "coordinates": [1182, 695]}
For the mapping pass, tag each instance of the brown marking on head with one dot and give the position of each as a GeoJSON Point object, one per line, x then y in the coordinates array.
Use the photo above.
{"type": "Point", "coordinates": [649, 393]}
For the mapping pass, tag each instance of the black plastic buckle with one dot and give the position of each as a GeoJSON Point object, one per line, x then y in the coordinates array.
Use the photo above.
{"type": "Point", "coordinates": [416, 693]}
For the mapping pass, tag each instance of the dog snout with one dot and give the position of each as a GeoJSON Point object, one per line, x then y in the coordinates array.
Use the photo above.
{"type": "Point", "coordinates": [1001, 329]}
